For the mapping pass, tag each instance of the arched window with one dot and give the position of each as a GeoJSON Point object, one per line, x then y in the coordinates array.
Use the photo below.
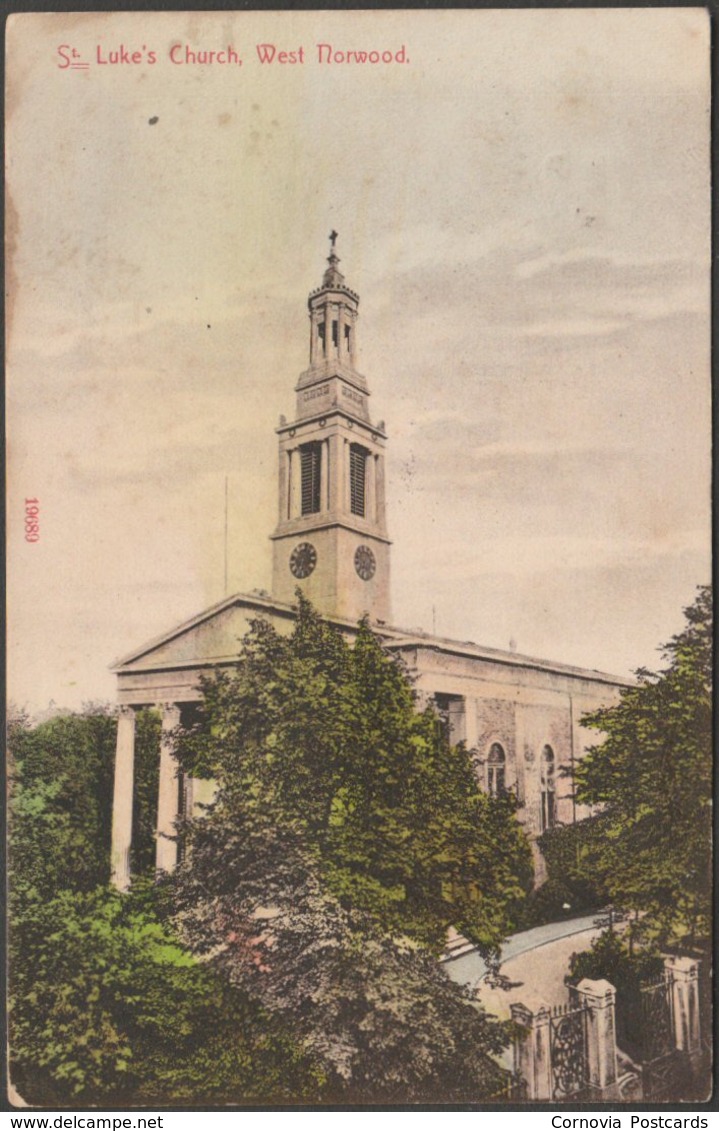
{"type": "Point", "coordinates": [495, 771]}
{"type": "Point", "coordinates": [546, 769]}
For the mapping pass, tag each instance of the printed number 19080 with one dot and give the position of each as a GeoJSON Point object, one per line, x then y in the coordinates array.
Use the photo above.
{"type": "Point", "coordinates": [32, 520]}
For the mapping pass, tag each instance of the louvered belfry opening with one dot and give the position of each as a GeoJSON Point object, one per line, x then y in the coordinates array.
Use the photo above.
{"type": "Point", "coordinates": [311, 459]}
{"type": "Point", "coordinates": [358, 465]}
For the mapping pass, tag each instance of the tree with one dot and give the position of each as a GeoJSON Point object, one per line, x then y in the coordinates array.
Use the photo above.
{"type": "Point", "coordinates": [107, 1007]}
{"type": "Point", "coordinates": [377, 1010]}
{"type": "Point", "coordinates": [345, 837]}
{"type": "Point", "coordinates": [324, 740]}
{"type": "Point", "coordinates": [61, 774]}
{"type": "Point", "coordinates": [652, 776]}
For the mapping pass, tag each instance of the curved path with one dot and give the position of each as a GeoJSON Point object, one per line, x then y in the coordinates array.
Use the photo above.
{"type": "Point", "coordinates": [470, 968]}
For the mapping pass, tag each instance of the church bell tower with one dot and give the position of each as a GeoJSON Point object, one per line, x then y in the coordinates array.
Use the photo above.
{"type": "Point", "coordinates": [331, 537]}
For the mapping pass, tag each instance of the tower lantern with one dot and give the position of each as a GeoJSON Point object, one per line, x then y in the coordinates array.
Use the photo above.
{"type": "Point", "coordinates": [333, 316]}
{"type": "Point", "coordinates": [331, 536]}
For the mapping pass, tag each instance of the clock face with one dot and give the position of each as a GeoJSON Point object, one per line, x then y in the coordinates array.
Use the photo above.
{"type": "Point", "coordinates": [303, 559]}
{"type": "Point", "coordinates": [365, 562]}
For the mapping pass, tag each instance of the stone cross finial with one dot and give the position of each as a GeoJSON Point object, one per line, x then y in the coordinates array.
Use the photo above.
{"type": "Point", "coordinates": [333, 239]}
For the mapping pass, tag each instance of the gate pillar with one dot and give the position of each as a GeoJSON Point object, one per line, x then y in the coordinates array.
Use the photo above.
{"type": "Point", "coordinates": [531, 1050]}
{"type": "Point", "coordinates": [598, 996]}
{"type": "Point", "coordinates": [684, 977]}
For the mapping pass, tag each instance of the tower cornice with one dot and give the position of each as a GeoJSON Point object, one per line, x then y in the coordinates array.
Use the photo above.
{"type": "Point", "coordinates": [326, 291]}
{"type": "Point", "coordinates": [376, 431]}
{"type": "Point", "coordinates": [294, 528]}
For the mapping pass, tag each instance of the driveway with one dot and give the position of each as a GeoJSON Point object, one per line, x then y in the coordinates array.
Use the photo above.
{"type": "Point", "coordinates": [533, 963]}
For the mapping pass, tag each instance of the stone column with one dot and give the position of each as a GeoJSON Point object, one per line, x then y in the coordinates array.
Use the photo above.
{"type": "Point", "coordinates": [531, 1050]}
{"type": "Point", "coordinates": [324, 475]}
{"type": "Point", "coordinates": [371, 486]}
{"type": "Point", "coordinates": [295, 491]}
{"type": "Point", "coordinates": [380, 502]}
{"type": "Point", "coordinates": [597, 996]}
{"type": "Point", "coordinates": [122, 799]}
{"type": "Point", "coordinates": [335, 451]}
{"type": "Point", "coordinates": [684, 974]}
{"type": "Point", "coordinates": [344, 472]}
{"type": "Point", "coordinates": [284, 486]}
{"type": "Point", "coordinates": [168, 801]}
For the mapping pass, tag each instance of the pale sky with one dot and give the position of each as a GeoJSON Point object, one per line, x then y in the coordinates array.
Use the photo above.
{"type": "Point", "coordinates": [524, 210]}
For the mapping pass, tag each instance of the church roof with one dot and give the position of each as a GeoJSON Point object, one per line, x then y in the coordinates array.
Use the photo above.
{"type": "Point", "coordinates": [213, 637]}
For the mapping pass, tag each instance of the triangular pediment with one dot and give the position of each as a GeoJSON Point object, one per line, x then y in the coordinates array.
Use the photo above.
{"type": "Point", "coordinates": [213, 636]}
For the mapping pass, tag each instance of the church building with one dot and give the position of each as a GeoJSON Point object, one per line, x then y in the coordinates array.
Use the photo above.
{"type": "Point", "coordinates": [520, 716]}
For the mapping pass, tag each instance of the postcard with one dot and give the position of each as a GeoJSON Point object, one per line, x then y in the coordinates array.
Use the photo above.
{"type": "Point", "coordinates": [359, 464]}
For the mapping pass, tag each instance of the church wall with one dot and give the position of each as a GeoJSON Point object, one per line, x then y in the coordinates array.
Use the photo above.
{"type": "Point", "coordinates": [540, 727]}
{"type": "Point", "coordinates": [358, 597]}
{"type": "Point", "coordinates": [321, 585]}
{"type": "Point", "coordinates": [497, 722]}
{"type": "Point", "coordinates": [524, 708]}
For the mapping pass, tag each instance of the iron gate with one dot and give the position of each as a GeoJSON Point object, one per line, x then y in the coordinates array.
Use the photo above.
{"type": "Point", "coordinates": [655, 999]}
{"type": "Point", "coordinates": [568, 1051]}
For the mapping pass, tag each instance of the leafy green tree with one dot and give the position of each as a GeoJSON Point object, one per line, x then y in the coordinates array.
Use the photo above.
{"type": "Point", "coordinates": [61, 780]}
{"type": "Point", "coordinates": [107, 1007]}
{"type": "Point", "coordinates": [324, 740]}
{"type": "Point", "coordinates": [61, 790]}
{"type": "Point", "coordinates": [377, 1011]}
{"type": "Point", "coordinates": [652, 773]}
{"type": "Point", "coordinates": [346, 836]}
{"type": "Point", "coordinates": [573, 886]}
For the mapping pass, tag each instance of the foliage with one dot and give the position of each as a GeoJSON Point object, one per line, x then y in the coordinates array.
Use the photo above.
{"type": "Point", "coordinates": [573, 886]}
{"type": "Point", "coordinates": [146, 788]}
{"type": "Point", "coordinates": [61, 774]}
{"type": "Point", "coordinates": [107, 1007]}
{"type": "Point", "coordinates": [346, 836]}
{"type": "Point", "coordinates": [61, 780]}
{"type": "Point", "coordinates": [612, 958]}
{"type": "Point", "coordinates": [105, 1004]}
{"type": "Point", "coordinates": [380, 1012]}
{"type": "Point", "coordinates": [652, 775]}
{"type": "Point", "coordinates": [324, 741]}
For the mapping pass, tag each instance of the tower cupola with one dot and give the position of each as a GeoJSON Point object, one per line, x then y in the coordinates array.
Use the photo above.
{"type": "Point", "coordinates": [333, 318]}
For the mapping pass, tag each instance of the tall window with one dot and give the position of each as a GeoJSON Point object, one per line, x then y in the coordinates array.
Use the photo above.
{"type": "Point", "coordinates": [495, 771]}
{"type": "Point", "coordinates": [451, 710]}
{"type": "Point", "coordinates": [549, 813]}
{"type": "Point", "coordinates": [358, 476]}
{"type": "Point", "coordinates": [310, 463]}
